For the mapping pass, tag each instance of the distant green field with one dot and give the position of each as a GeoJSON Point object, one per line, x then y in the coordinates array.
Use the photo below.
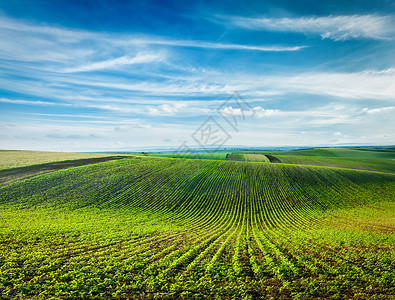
{"type": "Point", "coordinates": [165, 228]}
{"type": "Point", "coordinates": [20, 158]}
{"type": "Point", "coordinates": [235, 157]}
{"type": "Point", "coordinates": [202, 155]}
{"type": "Point", "coordinates": [373, 159]}
{"type": "Point", "coordinates": [354, 152]}
{"type": "Point", "coordinates": [380, 165]}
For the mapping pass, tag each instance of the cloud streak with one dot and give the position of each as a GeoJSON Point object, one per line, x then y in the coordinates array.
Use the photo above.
{"type": "Point", "coordinates": [29, 42]}
{"type": "Point", "coordinates": [338, 28]}
{"type": "Point", "coordinates": [208, 45]}
{"type": "Point", "coordinates": [35, 102]}
{"type": "Point", "coordinates": [379, 110]}
{"type": "Point", "coordinates": [166, 109]}
{"type": "Point", "coordinates": [120, 61]}
{"type": "Point", "coordinates": [368, 84]}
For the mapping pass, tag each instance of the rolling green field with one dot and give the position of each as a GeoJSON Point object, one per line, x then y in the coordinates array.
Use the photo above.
{"type": "Point", "coordinates": [152, 227]}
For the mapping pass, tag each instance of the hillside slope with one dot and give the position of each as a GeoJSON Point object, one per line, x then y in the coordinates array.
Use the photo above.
{"type": "Point", "coordinates": [175, 185]}
{"type": "Point", "coordinates": [165, 228]}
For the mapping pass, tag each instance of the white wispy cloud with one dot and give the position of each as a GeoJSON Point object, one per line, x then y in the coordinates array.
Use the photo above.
{"type": "Point", "coordinates": [129, 127]}
{"type": "Point", "coordinates": [262, 112]}
{"type": "Point", "coordinates": [378, 110]}
{"type": "Point", "coordinates": [119, 61]}
{"type": "Point", "coordinates": [180, 87]}
{"type": "Point", "coordinates": [166, 109]}
{"type": "Point", "coordinates": [331, 120]}
{"type": "Point", "coordinates": [333, 27]}
{"type": "Point", "coordinates": [64, 34]}
{"type": "Point", "coordinates": [157, 108]}
{"type": "Point", "coordinates": [43, 44]}
{"type": "Point", "coordinates": [230, 111]}
{"type": "Point", "coordinates": [368, 84]}
{"type": "Point", "coordinates": [322, 116]}
{"type": "Point", "coordinates": [32, 102]}
{"type": "Point", "coordinates": [208, 45]}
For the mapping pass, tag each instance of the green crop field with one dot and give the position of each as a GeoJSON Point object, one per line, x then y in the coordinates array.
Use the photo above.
{"type": "Point", "coordinates": [256, 157]}
{"type": "Point", "coordinates": [164, 228]}
{"type": "Point", "coordinates": [356, 152]}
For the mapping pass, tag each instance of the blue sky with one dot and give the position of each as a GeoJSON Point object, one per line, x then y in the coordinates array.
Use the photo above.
{"type": "Point", "coordinates": [114, 75]}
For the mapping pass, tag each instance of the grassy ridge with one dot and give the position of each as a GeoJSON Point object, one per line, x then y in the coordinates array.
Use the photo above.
{"type": "Point", "coordinates": [256, 157]}
{"type": "Point", "coordinates": [165, 228]}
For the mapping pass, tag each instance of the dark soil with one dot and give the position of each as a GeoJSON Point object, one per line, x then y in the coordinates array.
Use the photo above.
{"type": "Point", "coordinates": [273, 159]}
{"type": "Point", "coordinates": [16, 174]}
